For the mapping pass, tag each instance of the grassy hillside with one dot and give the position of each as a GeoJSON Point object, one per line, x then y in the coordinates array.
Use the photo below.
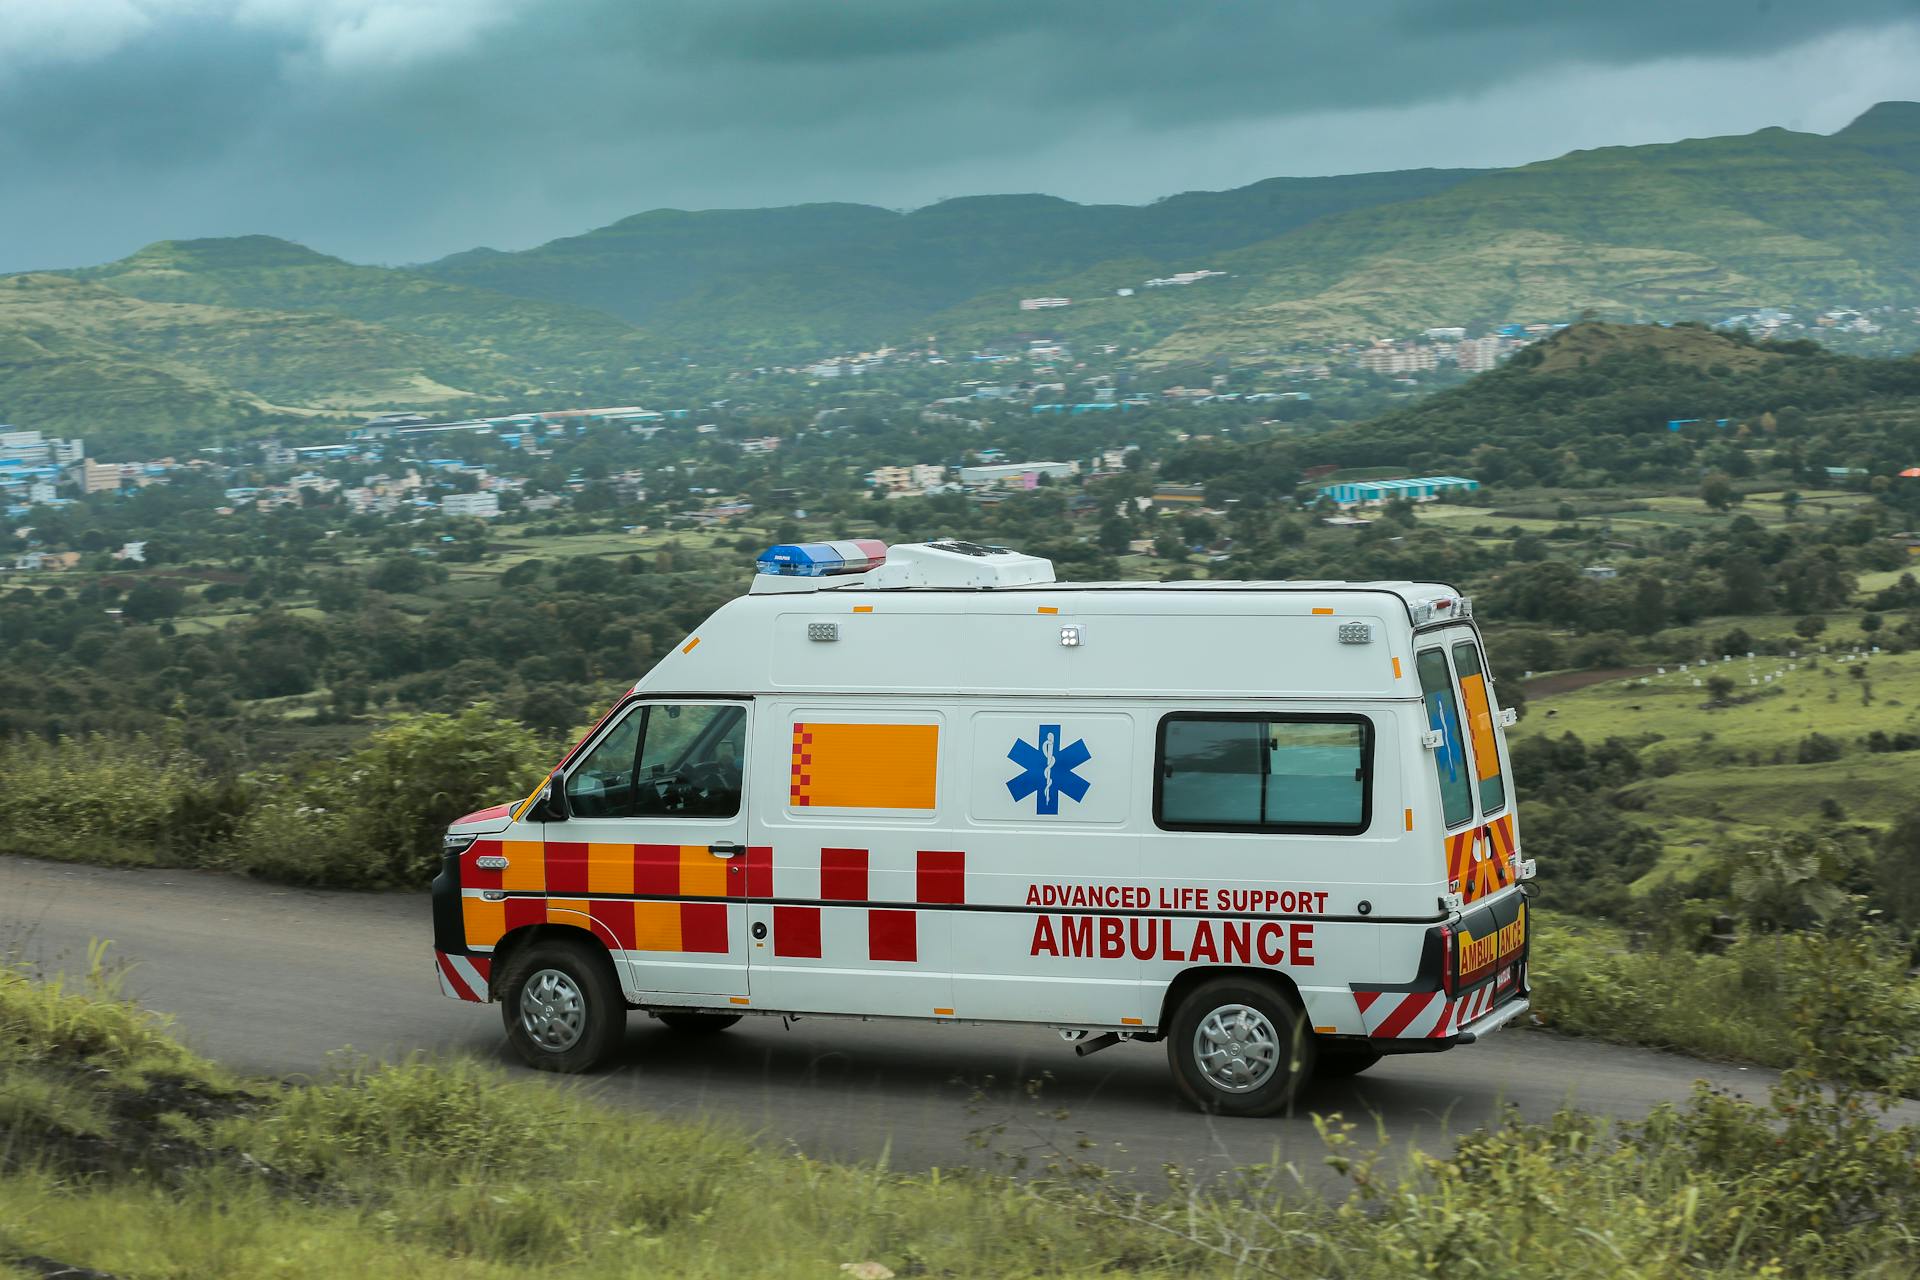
{"type": "Point", "coordinates": [124, 371]}
{"type": "Point", "coordinates": [522, 336]}
{"type": "Point", "coordinates": [53, 378]}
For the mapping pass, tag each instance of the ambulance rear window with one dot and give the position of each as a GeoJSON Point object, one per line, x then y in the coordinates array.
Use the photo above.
{"type": "Point", "coordinates": [1443, 714]}
{"type": "Point", "coordinates": [1477, 697]}
{"type": "Point", "coordinates": [1251, 772]}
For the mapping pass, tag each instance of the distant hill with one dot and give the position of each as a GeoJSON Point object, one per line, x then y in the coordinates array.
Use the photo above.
{"type": "Point", "coordinates": [1693, 228]}
{"type": "Point", "coordinates": [1689, 229]}
{"type": "Point", "coordinates": [831, 275]}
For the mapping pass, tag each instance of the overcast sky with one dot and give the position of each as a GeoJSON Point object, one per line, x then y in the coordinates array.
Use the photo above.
{"type": "Point", "coordinates": [401, 130]}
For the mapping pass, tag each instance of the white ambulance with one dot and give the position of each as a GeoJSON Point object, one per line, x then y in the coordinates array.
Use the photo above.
{"type": "Point", "coordinates": [1268, 823]}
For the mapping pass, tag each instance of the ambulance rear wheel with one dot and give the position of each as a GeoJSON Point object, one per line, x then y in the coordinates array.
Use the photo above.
{"type": "Point", "coordinates": [1339, 1059]}
{"type": "Point", "coordinates": [562, 1006]}
{"type": "Point", "coordinates": [1239, 1048]}
{"type": "Point", "coordinates": [699, 1024]}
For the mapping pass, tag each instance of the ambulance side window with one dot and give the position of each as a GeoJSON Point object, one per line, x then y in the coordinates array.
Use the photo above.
{"type": "Point", "coordinates": [1252, 772]}
{"type": "Point", "coordinates": [1443, 715]}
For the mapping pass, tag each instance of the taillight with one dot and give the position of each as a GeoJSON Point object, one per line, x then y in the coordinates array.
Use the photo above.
{"type": "Point", "coordinates": [1449, 976]}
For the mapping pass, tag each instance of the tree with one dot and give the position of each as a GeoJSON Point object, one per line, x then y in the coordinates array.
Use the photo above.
{"type": "Point", "coordinates": [1810, 626]}
{"type": "Point", "coordinates": [1115, 535]}
{"type": "Point", "coordinates": [151, 601]}
{"type": "Point", "coordinates": [1871, 622]}
{"type": "Point", "coordinates": [1719, 688]}
{"type": "Point", "coordinates": [1717, 491]}
{"type": "Point", "coordinates": [1648, 612]}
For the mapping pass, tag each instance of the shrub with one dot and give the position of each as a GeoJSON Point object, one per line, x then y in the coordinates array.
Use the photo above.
{"type": "Point", "coordinates": [376, 818]}
{"type": "Point", "coordinates": [99, 798]}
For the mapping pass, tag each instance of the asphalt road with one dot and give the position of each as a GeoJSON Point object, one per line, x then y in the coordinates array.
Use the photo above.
{"type": "Point", "coordinates": [292, 983]}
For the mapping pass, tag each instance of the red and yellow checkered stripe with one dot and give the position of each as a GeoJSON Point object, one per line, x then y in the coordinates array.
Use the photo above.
{"type": "Point", "coordinates": [1480, 859]}
{"type": "Point", "coordinates": [570, 879]}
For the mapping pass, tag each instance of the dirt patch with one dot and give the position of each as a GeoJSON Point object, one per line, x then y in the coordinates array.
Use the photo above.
{"type": "Point", "coordinates": [139, 1139]}
{"type": "Point", "coordinates": [48, 1269]}
{"type": "Point", "coordinates": [1567, 681]}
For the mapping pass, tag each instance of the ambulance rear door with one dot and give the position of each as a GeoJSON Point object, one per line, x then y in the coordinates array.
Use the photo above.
{"type": "Point", "coordinates": [1475, 795]}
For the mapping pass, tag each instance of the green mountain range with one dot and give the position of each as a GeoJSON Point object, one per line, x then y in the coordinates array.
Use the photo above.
{"type": "Point", "coordinates": [250, 329]}
{"type": "Point", "coordinates": [833, 275]}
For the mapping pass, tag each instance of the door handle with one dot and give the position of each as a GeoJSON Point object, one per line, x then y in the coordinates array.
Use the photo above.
{"type": "Point", "coordinates": [726, 849]}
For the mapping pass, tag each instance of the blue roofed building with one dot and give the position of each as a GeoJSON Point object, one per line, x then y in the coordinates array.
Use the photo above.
{"type": "Point", "coordinates": [1372, 493]}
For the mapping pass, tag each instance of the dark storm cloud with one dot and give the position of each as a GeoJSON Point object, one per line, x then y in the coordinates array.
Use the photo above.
{"type": "Point", "coordinates": [400, 129]}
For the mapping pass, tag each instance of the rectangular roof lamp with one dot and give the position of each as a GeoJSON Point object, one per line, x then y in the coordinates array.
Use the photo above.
{"type": "Point", "coordinates": [822, 559]}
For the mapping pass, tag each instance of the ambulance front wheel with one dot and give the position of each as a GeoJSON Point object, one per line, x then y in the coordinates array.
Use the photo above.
{"type": "Point", "coordinates": [562, 1006]}
{"type": "Point", "coordinates": [1239, 1047]}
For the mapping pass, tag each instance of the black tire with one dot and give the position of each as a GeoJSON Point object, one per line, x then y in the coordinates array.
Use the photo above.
{"type": "Point", "coordinates": [698, 1024]}
{"type": "Point", "coordinates": [575, 983]}
{"type": "Point", "coordinates": [1339, 1059]}
{"type": "Point", "coordinates": [1265, 1027]}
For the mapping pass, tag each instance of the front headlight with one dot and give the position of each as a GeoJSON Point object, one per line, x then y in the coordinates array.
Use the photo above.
{"type": "Point", "coordinates": [453, 843]}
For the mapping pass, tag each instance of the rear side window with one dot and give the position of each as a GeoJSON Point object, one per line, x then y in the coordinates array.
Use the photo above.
{"type": "Point", "coordinates": [1477, 697]}
{"type": "Point", "coordinates": [1443, 715]}
{"type": "Point", "coordinates": [1228, 772]}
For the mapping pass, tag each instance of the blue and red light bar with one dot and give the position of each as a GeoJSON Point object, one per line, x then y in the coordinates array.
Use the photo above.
{"type": "Point", "coordinates": [822, 559]}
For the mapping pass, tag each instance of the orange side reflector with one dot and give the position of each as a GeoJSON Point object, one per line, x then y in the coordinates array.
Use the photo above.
{"type": "Point", "coordinates": [1047, 608]}
{"type": "Point", "coordinates": [863, 608]}
{"type": "Point", "coordinates": [688, 646]}
{"type": "Point", "coordinates": [1323, 611]}
{"type": "Point", "coordinates": [943, 1013]}
{"type": "Point", "coordinates": [738, 1000]}
{"type": "Point", "coordinates": [1326, 1031]}
{"type": "Point", "coordinates": [1131, 1022]}
{"type": "Point", "coordinates": [1396, 668]}
{"type": "Point", "coordinates": [1409, 819]}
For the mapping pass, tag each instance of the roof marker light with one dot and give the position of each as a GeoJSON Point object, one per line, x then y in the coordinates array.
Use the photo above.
{"type": "Point", "coordinates": [822, 559]}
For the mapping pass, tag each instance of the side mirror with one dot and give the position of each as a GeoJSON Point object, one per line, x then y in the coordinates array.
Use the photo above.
{"type": "Point", "coordinates": [552, 804]}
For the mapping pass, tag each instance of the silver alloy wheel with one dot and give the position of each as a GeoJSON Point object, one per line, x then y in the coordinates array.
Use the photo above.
{"type": "Point", "coordinates": [553, 1012]}
{"type": "Point", "coordinates": [1237, 1048]}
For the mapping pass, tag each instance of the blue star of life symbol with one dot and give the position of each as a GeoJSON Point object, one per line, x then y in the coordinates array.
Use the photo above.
{"type": "Point", "coordinates": [1047, 769]}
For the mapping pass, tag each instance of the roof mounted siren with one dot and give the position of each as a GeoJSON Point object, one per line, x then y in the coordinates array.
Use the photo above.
{"type": "Point", "coordinates": [822, 559]}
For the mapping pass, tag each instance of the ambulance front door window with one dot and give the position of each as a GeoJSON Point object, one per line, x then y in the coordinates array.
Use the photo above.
{"type": "Point", "coordinates": [690, 761]}
{"type": "Point", "coordinates": [664, 760]}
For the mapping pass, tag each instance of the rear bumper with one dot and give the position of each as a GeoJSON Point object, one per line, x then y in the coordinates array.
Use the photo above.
{"type": "Point", "coordinates": [464, 977]}
{"type": "Point", "coordinates": [1492, 1022]}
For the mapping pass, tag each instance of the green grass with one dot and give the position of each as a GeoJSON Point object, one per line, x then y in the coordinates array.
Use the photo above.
{"type": "Point", "coordinates": [121, 1151]}
{"type": "Point", "coordinates": [1820, 696]}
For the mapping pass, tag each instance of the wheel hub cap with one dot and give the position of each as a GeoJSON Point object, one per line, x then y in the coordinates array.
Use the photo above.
{"type": "Point", "coordinates": [1237, 1048]}
{"type": "Point", "coordinates": [553, 1012]}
